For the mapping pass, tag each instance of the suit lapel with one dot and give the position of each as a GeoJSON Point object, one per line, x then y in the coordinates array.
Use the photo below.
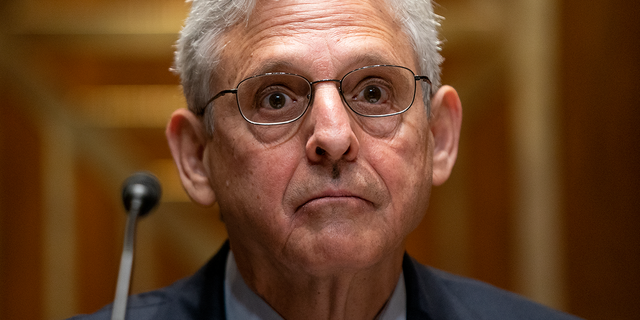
{"type": "Point", "coordinates": [212, 306]}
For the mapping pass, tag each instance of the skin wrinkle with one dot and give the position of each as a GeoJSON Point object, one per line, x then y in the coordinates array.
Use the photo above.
{"type": "Point", "coordinates": [300, 21]}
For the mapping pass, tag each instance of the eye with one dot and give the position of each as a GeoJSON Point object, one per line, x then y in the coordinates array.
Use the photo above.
{"type": "Point", "coordinates": [273, 97]}
{"type": "Point", "coordinates": [372, 94]}
{"type": "Point", "coordinates": [277, 100]}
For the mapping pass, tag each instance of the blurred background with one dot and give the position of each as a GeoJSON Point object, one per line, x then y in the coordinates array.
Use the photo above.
{"type": "Point", "coordinates": [543, 201]}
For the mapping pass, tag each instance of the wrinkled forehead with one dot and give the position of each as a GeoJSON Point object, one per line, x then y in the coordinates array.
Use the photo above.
{"type": "Point", "coordinates": [316, 35]}
{"type": "Point", "coordinates": [301, 16]}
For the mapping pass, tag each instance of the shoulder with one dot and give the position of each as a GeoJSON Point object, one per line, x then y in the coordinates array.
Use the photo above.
{"type": "Point", "coordinates": [200, 296]}
{"type": "Point", "coordinates": [442, 295]}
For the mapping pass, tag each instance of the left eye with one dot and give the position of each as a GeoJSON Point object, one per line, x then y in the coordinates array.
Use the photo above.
{"type": "Point", "coordinates": [372, 94]}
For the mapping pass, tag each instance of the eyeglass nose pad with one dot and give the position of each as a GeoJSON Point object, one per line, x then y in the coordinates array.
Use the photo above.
{"type": "Point", "coordinates": [309, 97]}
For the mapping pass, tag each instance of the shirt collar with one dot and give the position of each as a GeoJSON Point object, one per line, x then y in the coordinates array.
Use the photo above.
{"type": "Point", "coordinates": [242, 303]}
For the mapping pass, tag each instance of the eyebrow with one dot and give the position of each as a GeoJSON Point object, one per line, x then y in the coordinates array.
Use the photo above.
{"type": "Point", "coordinates": [371, 58]}
{"type": "Point", "coordinates": [358, 61]}
{"type": "Point", "coordinates": [275, 65]}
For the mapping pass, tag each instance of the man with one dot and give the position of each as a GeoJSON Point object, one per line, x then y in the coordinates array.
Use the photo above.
{"type": "Point", "coordinates": [319, 128]}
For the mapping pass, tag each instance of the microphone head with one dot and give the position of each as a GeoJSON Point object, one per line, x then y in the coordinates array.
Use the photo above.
{"type": "Point", "coordinates": [143, 186]}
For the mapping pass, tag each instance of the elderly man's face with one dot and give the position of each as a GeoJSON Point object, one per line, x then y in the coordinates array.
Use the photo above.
{"type": "Point", "coordinates": [333, 189]}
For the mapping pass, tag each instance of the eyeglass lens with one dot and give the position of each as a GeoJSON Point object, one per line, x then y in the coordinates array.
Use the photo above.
{"type": "Point", "coordinates": [371, 91]}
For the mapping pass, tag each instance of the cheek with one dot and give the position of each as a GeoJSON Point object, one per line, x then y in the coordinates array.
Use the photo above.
{"type": "Point", "coordinates": [250, 178]}
{"type": "Point", "coordinates": [404, 164]}
{"type": "Point", "coordinates": [247, 155]}
{"type": "Point", "coordinates": [253, 172]}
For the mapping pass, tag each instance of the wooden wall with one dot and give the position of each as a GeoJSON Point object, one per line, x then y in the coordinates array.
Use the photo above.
{"type": "Point", "coordinates": [601, 163]}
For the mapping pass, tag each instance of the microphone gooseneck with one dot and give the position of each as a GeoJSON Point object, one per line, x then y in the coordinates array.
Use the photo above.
{"type": "Point", "coordinates": [140, 193]}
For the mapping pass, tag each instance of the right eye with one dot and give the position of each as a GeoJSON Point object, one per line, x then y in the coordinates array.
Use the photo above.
{"type": "Point", "coordinates": [274, 98]}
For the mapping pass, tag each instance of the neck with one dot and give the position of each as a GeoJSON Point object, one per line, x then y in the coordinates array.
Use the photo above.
{"type": "Point", "coordinates": [341, 293]}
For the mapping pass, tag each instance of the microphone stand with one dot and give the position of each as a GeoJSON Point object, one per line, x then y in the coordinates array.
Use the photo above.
{"type": "Point", "coordinates": [140, 193]}
{"type": "Point", "coordinates": [126, 263]}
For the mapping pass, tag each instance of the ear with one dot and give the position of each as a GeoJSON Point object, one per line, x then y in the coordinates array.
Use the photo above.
{"type": "Point", "coordinates": [187, 141]}
{"type": "Point", "coordinates": [445, 128]}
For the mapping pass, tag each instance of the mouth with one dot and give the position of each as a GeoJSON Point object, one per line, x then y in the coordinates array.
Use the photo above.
{"type": "Point", "coordinates": [332, 197]}
{"type": "Point", "coordinates": [312, 191]}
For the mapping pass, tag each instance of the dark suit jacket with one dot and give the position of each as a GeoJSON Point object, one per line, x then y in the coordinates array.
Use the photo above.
{"type": "Point", "coordinates": [431, 294]}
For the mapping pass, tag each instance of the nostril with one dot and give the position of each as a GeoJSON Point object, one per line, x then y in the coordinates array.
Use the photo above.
{"type": "Point", "coordinates": [320, 151]}
{"type": "Point", "coordinates": [346, 152]}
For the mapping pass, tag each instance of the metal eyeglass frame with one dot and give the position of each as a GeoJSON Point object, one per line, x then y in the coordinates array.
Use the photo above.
{"type": "Point", "coordinates": [311, 83]}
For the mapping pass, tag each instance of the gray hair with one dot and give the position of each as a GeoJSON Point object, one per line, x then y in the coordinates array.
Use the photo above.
{"type": "Point", "coordinates": [200, 44]}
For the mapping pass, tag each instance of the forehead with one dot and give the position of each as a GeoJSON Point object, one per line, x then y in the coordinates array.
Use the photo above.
{"type": "Point", "coordinates": [318, 39]}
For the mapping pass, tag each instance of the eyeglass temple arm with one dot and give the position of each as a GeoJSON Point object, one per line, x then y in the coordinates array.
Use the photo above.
{"type": "Point", "coordinates": [427, 80]}
{"type": "Point", "coordinates": [220, 94]}
{"type": "Point", "coordinates": [423, 78]}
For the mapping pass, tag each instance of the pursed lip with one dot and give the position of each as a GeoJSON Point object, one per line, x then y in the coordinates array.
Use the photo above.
{"type": "Point", "coordinates": [328, 194]}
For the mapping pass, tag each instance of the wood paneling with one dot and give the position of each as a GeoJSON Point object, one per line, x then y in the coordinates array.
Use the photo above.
{"type": "Point", "coordinates": [98, 246]}
{"type": "Point", "coordinates": [21, 207]}
{"type": "Point", "coordinates": [601, 110]}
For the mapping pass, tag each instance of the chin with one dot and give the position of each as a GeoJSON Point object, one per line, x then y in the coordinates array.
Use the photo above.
{"type": "Point", "coordinates": [337, 249]}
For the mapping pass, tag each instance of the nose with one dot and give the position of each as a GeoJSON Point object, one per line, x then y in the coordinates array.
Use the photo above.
{"type": "Point", "coordinates": [332, 135]}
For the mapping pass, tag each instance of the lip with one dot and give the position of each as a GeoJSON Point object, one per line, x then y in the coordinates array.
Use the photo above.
{"type": "Point", "coordinates": [332, 194]}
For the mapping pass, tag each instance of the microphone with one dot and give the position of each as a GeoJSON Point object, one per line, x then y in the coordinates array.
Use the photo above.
{"type": "Point", "coordinates": [140, 193]}
{"type": "Point", "coordinates": [144, 187]}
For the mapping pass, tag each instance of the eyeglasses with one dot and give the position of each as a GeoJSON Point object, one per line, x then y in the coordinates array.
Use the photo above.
{"type": "Point", "coordinates": [280, 97]}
